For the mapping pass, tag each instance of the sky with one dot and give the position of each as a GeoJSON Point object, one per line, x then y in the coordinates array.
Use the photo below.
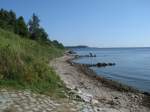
{"type": "Point", "coordinates": [96, 23]}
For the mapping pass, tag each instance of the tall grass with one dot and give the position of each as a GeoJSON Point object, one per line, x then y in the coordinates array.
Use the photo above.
{"type": "Point", "coordinates": [24, 64]}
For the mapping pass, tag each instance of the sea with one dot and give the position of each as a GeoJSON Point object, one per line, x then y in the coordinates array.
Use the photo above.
{"type": "Point", "coordinates": [132, 64]}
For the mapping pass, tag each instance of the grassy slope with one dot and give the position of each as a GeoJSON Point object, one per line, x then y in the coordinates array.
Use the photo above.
{"type": "Point", "coordinates": [24, 64]}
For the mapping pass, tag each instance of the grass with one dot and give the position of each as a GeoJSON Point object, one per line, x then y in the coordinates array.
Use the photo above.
{"type": "Point", "coordinates": [24, 65]}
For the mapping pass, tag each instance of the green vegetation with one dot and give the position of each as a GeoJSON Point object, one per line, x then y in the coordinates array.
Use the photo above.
{"type": "Point", "coordinates": [25, 52]}
{"type": "Point", "coordinates": [32, 30]}
{"type": "Point", "coordinates": [24, 64]}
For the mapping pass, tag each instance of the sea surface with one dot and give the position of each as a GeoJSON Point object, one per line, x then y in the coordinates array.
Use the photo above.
{"type": "Point", "coordinates": [132, 64]}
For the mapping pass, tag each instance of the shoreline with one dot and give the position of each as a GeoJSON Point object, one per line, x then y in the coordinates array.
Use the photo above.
{"type": "Point", "coordinates": [99, 92]}
{"type": "Point", "coordinates": [108, 82]}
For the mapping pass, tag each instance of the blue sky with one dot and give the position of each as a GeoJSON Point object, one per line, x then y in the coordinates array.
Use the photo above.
{"type": "Point", "coordinates": [98, 23]}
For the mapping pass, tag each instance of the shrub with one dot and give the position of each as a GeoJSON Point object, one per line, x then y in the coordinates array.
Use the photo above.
{"type": "Point", "coordinates": [24, 64]}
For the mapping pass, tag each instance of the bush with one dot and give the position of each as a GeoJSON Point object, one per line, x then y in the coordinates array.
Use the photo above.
{"type": "Point", "coordinates": [24, 64]}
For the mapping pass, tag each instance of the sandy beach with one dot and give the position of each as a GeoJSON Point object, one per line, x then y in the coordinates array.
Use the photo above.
{"type": "Point", "coordinates": [99, 95]}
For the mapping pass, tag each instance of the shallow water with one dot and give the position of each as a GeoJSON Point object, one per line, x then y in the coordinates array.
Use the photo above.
{"type": "Point", "coordinates": [132, 64]}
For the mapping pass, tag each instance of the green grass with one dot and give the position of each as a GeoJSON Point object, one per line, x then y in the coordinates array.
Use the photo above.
{"type": "Point", "coordinates": [24, 65]}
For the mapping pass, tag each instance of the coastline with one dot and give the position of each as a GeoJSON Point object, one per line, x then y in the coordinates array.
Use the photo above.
{"type": "Point", "coordinates": [99, 92]}
{"type": "Point", "coordinates": [107, 82]}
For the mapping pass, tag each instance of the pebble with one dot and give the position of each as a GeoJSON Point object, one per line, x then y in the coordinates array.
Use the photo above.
{"type": "Point", "coordinates": [25, 101]}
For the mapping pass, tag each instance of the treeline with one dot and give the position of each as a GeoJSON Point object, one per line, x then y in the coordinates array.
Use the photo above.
{"type": "Point", "coordinates": [32, 30]}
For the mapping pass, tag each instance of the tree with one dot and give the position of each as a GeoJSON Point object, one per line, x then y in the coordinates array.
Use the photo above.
{"type": "Point", "coordinates": [34, 27]}
{"type": "Point", "coordinates": [42, 34]}
{"type": "Point", "coordinates": [57, 44]}
{"type": "Point", "coordinates": [4, 19]}
{"type": "Point", "coordinates": [36, 31]}
{"type": "Point", "coordinates": [12, 20]}
{"type": "Point", "coordinates": [21, 27]}
{"type": "Point", "coordinates": [7, 20]}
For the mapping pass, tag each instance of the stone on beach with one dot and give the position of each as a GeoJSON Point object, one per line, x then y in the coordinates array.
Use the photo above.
{"type": "Point", "coordinates": [97, 96]}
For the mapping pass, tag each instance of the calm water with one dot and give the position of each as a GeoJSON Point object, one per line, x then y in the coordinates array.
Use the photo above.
{"type": "Point", "coordinates": [132, 64]}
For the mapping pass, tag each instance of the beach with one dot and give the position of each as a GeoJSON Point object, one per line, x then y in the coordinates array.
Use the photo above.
{"type": "Point", "coordinates": [101, 96]}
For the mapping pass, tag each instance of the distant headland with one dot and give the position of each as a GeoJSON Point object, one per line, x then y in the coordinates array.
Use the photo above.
{"type": "Point", "coordinates": [78, 46]}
